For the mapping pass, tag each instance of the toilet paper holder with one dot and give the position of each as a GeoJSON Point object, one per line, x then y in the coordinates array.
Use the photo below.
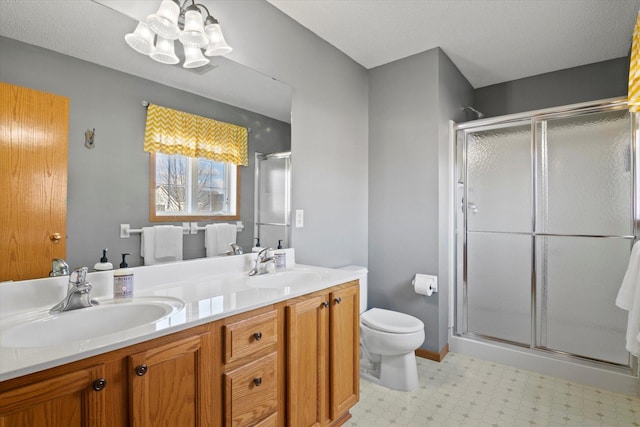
{"type": "Point", "coordinates": [425, 284]}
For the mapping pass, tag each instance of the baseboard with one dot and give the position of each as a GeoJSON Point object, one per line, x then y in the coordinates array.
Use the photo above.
{"type": "Point", "coordinates": [432, 355]}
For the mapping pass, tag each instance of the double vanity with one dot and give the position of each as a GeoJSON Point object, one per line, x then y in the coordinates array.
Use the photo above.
{"type": "Point", "coordinates": [200, 343]}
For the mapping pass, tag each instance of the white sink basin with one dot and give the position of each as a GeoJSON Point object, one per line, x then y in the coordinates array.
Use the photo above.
{"type": "Point", "coordinates": [44, 329]}
{"type": "Point", "coordinates": [283, 279]}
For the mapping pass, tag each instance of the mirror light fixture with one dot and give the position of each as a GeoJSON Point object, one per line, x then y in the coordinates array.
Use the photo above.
{"type": "Point", "coordinates": [185, 23]}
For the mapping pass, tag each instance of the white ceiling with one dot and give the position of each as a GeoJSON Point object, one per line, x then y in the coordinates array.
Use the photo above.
{"type": "Point", "coordinates": [490, 41]}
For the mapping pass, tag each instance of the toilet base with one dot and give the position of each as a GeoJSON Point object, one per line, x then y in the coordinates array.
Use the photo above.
{"type": "Point", "coordinates": [399, 372]}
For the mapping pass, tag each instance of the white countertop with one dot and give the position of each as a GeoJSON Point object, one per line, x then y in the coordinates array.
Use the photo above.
{"type": "Point", "coordinates": [211, 289]}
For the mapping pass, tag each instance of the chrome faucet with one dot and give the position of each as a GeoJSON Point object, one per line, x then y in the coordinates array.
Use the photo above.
{"type": "Point", "coordinates": [59, 268]}
{"type": "Point", "coordinates": [77, 293]}
{"type": "Point", "coordinates": [235, 249]}
{"type": "Point", "coordinates": [261, 263]}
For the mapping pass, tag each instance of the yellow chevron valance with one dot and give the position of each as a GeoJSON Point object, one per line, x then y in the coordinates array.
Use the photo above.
{"type": "Point", "coordinates": [171, 131]}
{"type": "Point", "coordinates": [634, 70]}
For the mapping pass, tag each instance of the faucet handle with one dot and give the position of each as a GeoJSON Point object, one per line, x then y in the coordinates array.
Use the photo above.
{"type": "Point", "coordinates": [79, 275]}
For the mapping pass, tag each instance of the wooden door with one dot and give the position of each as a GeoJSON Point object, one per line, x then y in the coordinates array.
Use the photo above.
{"type": "Point", "coordinates": [306, 322]}
{"type": "Point", "coordinates": [33, 181]}
{"type": "Point", "coordinates": [72, 399]}
{"type": "Point", "coordinates": [170, 385]}
{"type": "Point", "coordinates": [344, 347]}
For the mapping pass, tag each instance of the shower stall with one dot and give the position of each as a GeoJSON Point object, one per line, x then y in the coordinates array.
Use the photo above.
{"type": "Point", "coordinates": [546, 213]}
{"type": "Point", "coordinates": [273, 199]}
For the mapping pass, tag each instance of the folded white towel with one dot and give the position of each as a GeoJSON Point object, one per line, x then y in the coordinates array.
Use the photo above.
{"type": "Point", "coordinates": [629, 299]}
{"type": "Point", "coordinates": [171, 238]}
{"type": "Point", "coordinates": [168, 241]}
{"type": "Point", "coordinates": [218, 237]}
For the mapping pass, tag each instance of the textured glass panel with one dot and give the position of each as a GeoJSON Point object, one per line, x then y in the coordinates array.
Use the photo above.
{"type": "Point", "coordinates": [499, 285]}
{"type": "Point", "coordinates": [499, 179]}
{"type": "Point", "coordinates": [578, 280]}
{"type": "Point", "coordinates": [584, 175]}
{"type": "Point", "coordinates": [272, 191]}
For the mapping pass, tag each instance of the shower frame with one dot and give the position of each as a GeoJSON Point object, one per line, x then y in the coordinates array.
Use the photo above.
{"type": "Point", "coordinates": [460, 180]}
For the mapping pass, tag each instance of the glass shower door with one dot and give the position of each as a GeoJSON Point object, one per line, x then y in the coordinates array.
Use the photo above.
{"type": "Point", "coordinates": [584, 228]}
{"type": "Point", "coordinates": [272, 199]}
{"type": "Point", "coordinates": [498, 232]}
{"type": "Point", "coordinates": [545, 229]}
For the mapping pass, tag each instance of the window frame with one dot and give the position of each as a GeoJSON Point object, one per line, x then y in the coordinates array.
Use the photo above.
{"type": "Point", "coordinates": [154, 217]}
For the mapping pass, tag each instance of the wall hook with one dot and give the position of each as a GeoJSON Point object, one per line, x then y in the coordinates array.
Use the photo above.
{"type": "Point", "coordinates": [88, 138]}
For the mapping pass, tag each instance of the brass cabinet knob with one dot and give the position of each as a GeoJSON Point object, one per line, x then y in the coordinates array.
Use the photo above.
{"type": "Point", "coordinates": [55, 237]}
{"type": "Point", "coordinates": [257, 381]}
{"type": "Point", "coordinates": [257, 336]}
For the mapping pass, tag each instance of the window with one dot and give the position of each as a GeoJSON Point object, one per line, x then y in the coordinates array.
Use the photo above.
{"type": "Point", "coordinates": [189, 188]}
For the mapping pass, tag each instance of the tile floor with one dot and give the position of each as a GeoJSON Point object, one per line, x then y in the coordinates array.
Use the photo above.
{"type": "Point", "coordinates": [467, 391]}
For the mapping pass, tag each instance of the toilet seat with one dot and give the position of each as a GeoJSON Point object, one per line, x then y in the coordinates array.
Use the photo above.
{"type": "Point", "coordinates": [391, 321]}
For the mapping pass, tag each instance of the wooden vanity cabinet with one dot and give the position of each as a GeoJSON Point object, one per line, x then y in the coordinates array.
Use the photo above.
{"type": "Point", "coordinates": [293, 363]}
{"type": "Point", "coordinates": [74, 398]}
{"type": "Point", "coordinates": [252, 377]}
{"type": "Point", "coordinates": [323, 345]}
{"type": "Point", "coordinates": [171, 384]}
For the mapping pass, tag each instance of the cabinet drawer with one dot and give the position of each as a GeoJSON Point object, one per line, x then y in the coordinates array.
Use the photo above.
{"type": "Point", "coordinates": [245, 337]}
{"type": "Point", "coordinates": [271, 421]}
{"type": "Point", "coordinates": [251, 392]}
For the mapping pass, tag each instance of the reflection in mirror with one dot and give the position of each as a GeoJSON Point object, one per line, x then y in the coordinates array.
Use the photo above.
{"type": "Point", "coordinates": [108, 185]}
{"type": "Point", "coordinates": [273, 199]}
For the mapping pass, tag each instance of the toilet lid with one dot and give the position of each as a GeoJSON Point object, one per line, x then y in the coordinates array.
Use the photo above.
{"type": "Point", "coordinates": [391, 321]}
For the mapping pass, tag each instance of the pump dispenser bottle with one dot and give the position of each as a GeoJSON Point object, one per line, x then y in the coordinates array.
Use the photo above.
{"type": "Point", "coordinates": [257, 247]}
{"type": "Point", "coordinates": [104, 263]}
{"type": "Point", "coordinates": [123, 280]}
{"type": "Point", "coordinates": [280, 257]}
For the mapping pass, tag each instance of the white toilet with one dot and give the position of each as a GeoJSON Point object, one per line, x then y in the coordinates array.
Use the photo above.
{"type": "Point", "coordinates": [388, 340]}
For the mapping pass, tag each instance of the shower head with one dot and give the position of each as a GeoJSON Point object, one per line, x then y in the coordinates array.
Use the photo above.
{"type": "Point", "coordinates": [478, 114]}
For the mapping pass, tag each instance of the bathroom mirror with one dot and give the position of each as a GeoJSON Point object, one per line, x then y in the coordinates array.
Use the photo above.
{"type": "Point", "coordinates": [108, 184]}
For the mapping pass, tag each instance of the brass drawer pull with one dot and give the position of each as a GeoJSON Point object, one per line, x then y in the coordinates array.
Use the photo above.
{"type": "Point", "coordinates": [257, 336]}
{"type": "Point", "coordinates": [257, 381]}
{"type": "Point", "coordinates": [141, 370]}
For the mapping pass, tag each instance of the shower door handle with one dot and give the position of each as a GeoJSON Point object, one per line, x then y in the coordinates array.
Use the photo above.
{"type": "Point", "coordinates": [470, 205]}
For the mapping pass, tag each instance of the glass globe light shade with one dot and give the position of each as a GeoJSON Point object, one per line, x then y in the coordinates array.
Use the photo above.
{"type": "Point", "coordinates": [165, 21]}
{"type": "Point", "coordinates": [217, 44]}
{"type": "Point", "coordinates": [193, 34]}
{"type": "Point", "coordinates": [194, 57]}
{"type": "Point", "coordinates": [141, 40]}
{"type": "Point", "coordinates": [164, 51]}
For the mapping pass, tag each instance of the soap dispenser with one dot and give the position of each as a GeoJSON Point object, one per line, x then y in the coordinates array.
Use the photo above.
{"type": "Point", "coordinates": [104, 263]}
{"type": "Point", "coordinates": [257, 247]}
{"type": "Point", "coordinates": [123, 280]}
{"type": "Point", "coordinates": [280, 257]}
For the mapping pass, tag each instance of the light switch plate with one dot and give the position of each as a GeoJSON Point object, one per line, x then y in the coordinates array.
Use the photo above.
{"type": "Point", "coordinates": [299, 218]}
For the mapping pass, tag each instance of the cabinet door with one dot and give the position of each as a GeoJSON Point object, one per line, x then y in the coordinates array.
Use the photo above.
{"type": "Point", "coordinates": [306, 361]}
{"type": "Point", "coordinates": [344, 347]}
{"type": "Point", "coordinates": [72, 399]}
{"type": "Point", "coordinates": [168, 384]}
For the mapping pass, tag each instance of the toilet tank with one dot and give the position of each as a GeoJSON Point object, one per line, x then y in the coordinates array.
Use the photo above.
{"type": "Point", "coordinates": [361, 272]}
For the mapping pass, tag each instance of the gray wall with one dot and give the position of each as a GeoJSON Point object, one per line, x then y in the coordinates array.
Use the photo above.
{"type": "Point", "coordinates": [329, 125]}
{"type": "Point", "coordinates": [411, 101]}
{"type": "Point", "coordinates": [109, 185]}
{"type": "Point", "coordinates": [590, 82]}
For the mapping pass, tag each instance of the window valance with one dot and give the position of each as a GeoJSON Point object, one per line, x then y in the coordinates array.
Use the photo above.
{"type": "Point", "coordinates": [171, 131]}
